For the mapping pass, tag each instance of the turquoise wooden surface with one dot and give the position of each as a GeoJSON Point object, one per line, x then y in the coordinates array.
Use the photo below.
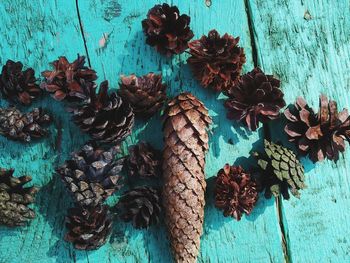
{"type": "Point", "coordinates": [304, 43]}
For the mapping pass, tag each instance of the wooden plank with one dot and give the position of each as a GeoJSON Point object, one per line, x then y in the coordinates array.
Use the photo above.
{"type": "Point", "coordinates": [37, 32]}
{"type": "Point", "coordinates": [255, 238]}
{"type": "Point", "coordinates": [306, 44]}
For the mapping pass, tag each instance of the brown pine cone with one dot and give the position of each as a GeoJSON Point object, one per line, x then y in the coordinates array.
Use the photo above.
{"type": "Point", "coordinates": [320, 135]}
{"type": "Point", "coordinates": [16, 125]}
{"type": "Point", "coordinates": [145, 94]}
{"type": "Point", "coordinates": [216, 61]}
{"type": "Point", "coordinates": [69, 81]}
{"type": "Point", "coordinates": [235, 191]}
{"type": "Point", "coordinates": [15, 198]}
{"type": "Point", "coordinates": [143, 161]}
{"type": "Point", "coordinates": [167, 30]}
{"type": "Point", "coordinates": [186, 142]}
{"type": "Point", "coordinates": [92, 175]}
{"type": "Point", "coordinates": [17, 85]}
{"type": "Point", "coordinates": [255, 97]}
{"type": "Point", "coordinates": [88, 227]}
{"type": "Point", "coordinates": [105, 117]}
{"type": "Point", "coordinates": [280, 171]}
{"type": "Point", "coordinates": [141, 206]}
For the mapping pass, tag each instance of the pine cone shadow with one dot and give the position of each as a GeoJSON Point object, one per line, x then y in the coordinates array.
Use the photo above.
{"type": "Point", "coordinates": [53, 202]}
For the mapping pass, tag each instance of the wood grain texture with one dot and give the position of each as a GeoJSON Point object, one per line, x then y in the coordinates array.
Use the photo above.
{"type": "Point", "coordinates": [306, 44]}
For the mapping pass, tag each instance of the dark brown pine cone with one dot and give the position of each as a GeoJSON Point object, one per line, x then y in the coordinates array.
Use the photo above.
{"type": "Point", "coordinates": [15, 198]}
{"type": "Point", "coordinates": [89, 227]}
{"type": "Point", "coordinates": [167, 30]}
{"type": "Point", "coordinates": [141, 206]}
{"type": "Point", "coordinates": [143, 161]}
{"type": "Point", "coordinates": [69, 81]}
{"type": "Point", "coordinates": [24, 127]}
{"type": "Point", "coordinates": [280, 171]}
{"type": "Point", "coordinates": [107, 118]}
{"type": "Point", "coordinates": [235, 191]}
{"type": "Point", "coordinates": [320, 135]}
{"type": "Point", "coordinates": [145, 94]}
{"type": "Point", "coordinates": [216, 61]}
{"type": "Point", "coordinates": [255, 98]}
{"type": "Point", "coordinates": [17, 85]}
{"type": "Point", "coordinates": [92, 174]}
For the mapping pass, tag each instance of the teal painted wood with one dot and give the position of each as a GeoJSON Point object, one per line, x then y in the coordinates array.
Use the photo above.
{"type": "Point", "coordinates": [306, 44]}
{"type": "Point", "coordinates": [37, 32]}
{"type": "Point", "coordinates": [126, 53]}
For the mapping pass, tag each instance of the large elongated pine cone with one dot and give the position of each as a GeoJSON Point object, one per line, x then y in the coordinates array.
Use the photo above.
{"type": "Point", "coordinates": [88, 227]}
{"type": "Point", "coordinates": [16, 125]}
{"type": "Point", "coordinates": [106, 117]}
{"type": "Point", "coordinates": [92, 175]}
{"type": "Point", "coordinates": [17, 85]}
{"type": "Point", "coordinates": [186, 142]}
{"type": "Point", "coordinates": [320, 135]}
{"type": "Point", "coordinates": [69, 81]}
{"type": "Point", "coordinates": [15, 198]}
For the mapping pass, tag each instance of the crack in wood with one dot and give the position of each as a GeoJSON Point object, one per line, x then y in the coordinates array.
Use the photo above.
{"type": "Point", "coordinates": [251, 33]}
{"type": "Point", "coordinates": [82, 32]}
{"type": "Point", "coordinates": [267, 133]}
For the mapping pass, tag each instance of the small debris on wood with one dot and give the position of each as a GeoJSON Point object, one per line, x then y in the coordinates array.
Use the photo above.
{"type": "Point", "coordinates": [208, 3]}
{"type": "Point", "coordinates": [307, 15]}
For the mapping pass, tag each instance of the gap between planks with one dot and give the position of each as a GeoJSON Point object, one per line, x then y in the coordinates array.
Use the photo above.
{"type": "Point", "coordinates": [267, 134]}
{"type": "Point", "coordinates": [82, 32]}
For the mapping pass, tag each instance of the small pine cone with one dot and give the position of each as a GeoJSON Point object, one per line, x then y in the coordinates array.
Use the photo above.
{"type": "Point", "coordinates": [141, 206]}
{"type": "Point", "coordinates": [319, 135]}
{"type": "Point", "coordinates": [105, 117]}
{"type": "Point", "coordinates": [235, 191]}
{"type": "Point", "coordinates": [167, 30]}
{"type": "Point", "coordinates": [280, 171]}
{"type": "Point", "coordinates": [143, 161]}
{"type": "Point", "coordinates": [69, 81]}
{"type": "Point", "coordinates": [186, 143]}
{"type": "Point", "coordinates": [92, 175]}
{"type": "Point", "coordinates": [24, 127]}
{"type": "Point", "coordinates": [216, 61]}
{"type": "Point", "coordinates": [145, 94]}
{"type": "Point", "coordinates": [17, 85]}
{"type": "Point", "coordinates": [88, 227]}
{"type": "Point", "coordinates": [15, 198]}
{"type": "Point", "coordinates": [255, 97]}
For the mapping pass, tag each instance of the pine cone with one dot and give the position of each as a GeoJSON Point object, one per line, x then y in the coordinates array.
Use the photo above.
{"type": "Point", "coordinates": [141, 206]}
{"type": "Point", "coordinates": [92, 175]}
{"type": "Point", "coordinates": [235, 191]}
{"type": "Point", "coordinates": [89, 227]}
{"type": "Point", "coordinates": [146, 94]}
{"type": "Point", "coordinates": [216, 61]}
{"type": "Point", "coordinates": [143, 161]}
{"type": "Point", "coordinates": [255, 97]}
{"type": "Point", "coordinates": [24, 127]}
{"type": "Point", "coordinates": [106, 117]}
{"type": "Point", "coordinates": [186, 142]}
{"type": "Point", "coordinates": [15, 198]}
{"type": "Point", "coordinates": [319, 135]}
{"type": "Point", "coordinates": [167, 30]}
{"type": "Point", "coordinates": [70, 81]}
{"type": "Point", "coordinates": [280, 170]}
{"type": "Point", "coordinates": [17, 85]}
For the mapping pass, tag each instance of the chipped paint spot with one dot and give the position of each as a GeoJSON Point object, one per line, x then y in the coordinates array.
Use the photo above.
{"type": "Point", "coordinates": [208, 3]}
{"type": "Point", "coordinates": [307, 15]}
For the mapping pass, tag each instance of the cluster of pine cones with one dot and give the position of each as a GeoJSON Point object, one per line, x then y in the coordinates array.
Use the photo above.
{"type": "Point", "coordinates": [94, 172]}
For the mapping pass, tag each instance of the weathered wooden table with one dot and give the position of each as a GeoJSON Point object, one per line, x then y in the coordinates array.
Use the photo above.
{"type": "Point", "coordinates": [306, 43]}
